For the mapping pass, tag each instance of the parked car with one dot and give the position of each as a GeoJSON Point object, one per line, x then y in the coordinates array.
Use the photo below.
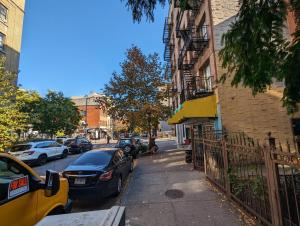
{"type": "Point", "coordinates": [79, 145]}
{"type": "Point", "coordinates": [129, 146]}
{"type": "Point", "coordinates": [25, 197]}
{"type": "Point", "coordinates": [61, 140]}
{"type": "Point", "coordinates": [39, 152]}
{"type": "Point", "coordinates": [98, 173]}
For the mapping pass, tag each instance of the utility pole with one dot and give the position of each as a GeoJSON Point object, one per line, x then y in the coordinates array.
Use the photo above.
{"type": "Point", "coordinates": [86, 114]}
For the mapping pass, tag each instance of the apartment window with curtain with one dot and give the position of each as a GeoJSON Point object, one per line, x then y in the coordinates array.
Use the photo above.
{"type": "Point", "coordinates": [3, 13]}
{"type": "Point", "coordinates": [2, 39]}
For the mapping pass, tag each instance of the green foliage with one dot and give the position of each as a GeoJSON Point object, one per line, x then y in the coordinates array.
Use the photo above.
{"type": "Point", "coordinates": [147, 7]}
{"type": "Point", "coordinates": [135, 96]}
{"type": "Point", "coordinates": [256, 51]}
{"type": "Point", "coordinates": [11, 118]}
{"type": "Point", "coordinates": [56, 113]}
{"type": "Point", "coordinates": [143, 7]}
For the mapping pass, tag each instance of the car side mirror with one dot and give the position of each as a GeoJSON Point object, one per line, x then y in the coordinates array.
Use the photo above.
{"type": "Point", "coordinates": [52, 183]}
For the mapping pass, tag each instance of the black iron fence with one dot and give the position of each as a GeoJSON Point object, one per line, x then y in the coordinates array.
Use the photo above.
{"type": "Point", "coordinates": [263, 179]}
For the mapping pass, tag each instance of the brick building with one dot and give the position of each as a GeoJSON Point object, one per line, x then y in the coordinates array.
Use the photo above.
{"type": "Point", "coordinates": [94, 119]}
{"type": "Point", "coordinates": [193, 41]}
{"type": "Point", "coordinates": [11, 27]}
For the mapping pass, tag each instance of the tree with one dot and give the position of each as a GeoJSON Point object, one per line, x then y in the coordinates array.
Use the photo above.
{"type": "Point", "coordinates": [147, 7]}
{"type": "Point", "coordinates": [56, 113]}
{"type": "Point", "coordinates": [256, 50]}
{"type": "Point", "coordinates": [11, 118]}
{"type": "Point", "coordinates": [135, 96]}
{"type": "Point", "coordinates": [143, 7]}
{"type": "Point", "coordinates": [28, 103]}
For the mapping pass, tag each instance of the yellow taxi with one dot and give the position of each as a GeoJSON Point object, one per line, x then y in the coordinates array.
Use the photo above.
{"type": "Point", "coordinates": [25, 197]}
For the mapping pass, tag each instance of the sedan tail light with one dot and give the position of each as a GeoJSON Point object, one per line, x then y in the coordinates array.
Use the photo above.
{"type": "Point", "coordinates": [29, 152]}
{"type": "Point", "coordinates": [106, 176]}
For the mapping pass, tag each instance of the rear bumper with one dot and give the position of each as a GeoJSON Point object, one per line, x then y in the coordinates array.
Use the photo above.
{"type": "Point", "coordinates": [101, 190]}
{"type": "Point", "coordinates": [74, 150]}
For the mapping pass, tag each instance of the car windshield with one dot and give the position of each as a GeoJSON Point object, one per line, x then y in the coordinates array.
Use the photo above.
{"type": "Point", "coordinates": [94, 158]}
{"type": "Point", "coordinates": [124, 142]}
{"type": "Point", "coordinates": [21, 147]}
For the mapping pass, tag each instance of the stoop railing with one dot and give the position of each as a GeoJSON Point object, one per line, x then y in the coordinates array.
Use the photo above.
{"type": "Point", "coordinates": [264, 179]}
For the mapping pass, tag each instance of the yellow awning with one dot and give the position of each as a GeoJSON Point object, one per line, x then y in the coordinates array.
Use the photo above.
{"type": "Point", "coordinates": [205, 107]}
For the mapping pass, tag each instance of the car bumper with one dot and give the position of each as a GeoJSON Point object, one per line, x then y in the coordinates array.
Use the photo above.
{"type": "Point", "coordinates": [74, 150]}
{"type": "Point", "coordinates": [30, 161]}
{"type": "Point", "coordinates": [102, 190]}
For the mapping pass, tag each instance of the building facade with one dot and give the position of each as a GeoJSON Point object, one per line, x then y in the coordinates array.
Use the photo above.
{"type": "Point", "coordinates": [11, 26]}
{"type": "Point", "coordinates": [95, 121]}
{"type": "Point", "coordinates": [192, 38]}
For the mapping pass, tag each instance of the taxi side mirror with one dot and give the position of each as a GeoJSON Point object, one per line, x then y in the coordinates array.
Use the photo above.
{"type": "Point", "coordinates": [52, 183]}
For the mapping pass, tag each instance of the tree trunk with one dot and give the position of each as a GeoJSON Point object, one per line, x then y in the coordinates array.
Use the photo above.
{"type": "Point", "coordinates": [150, 138]}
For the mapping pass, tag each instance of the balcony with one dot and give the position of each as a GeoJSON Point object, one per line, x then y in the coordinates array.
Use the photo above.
{"type": "Point", "coordinates": [193, 6]}
{"type": "Point", "coordinates": [167, 30]}
{"type": "Point", "coordinates": [196, 40]}
{"type": "Point", "coordinates": [169, 49]}
{"type": "Point", "coordinates": [198, 86]}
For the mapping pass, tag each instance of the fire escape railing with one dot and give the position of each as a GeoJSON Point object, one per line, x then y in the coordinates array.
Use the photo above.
{"type": "Point", "coordinates": [169, 47]}
{"type": "Point", "coordinates": [194, 87]}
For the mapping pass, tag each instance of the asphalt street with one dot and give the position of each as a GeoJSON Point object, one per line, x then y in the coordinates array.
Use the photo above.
{"type": "Point", "coordinates": [60, 164]}
{"type": "Point", "coordinates": [89, 205]}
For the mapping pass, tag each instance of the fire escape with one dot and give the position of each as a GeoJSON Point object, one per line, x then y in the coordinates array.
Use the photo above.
{"type": "Point", "coordinates": [195, 40]}
{"type": "Point", "coordinates": [168, 53]}
{"type": "Point", "coordinates": [169, 47]}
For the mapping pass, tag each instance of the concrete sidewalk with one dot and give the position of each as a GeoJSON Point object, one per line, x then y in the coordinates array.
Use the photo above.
{"type": "Point", "coordinates": [165, 191]}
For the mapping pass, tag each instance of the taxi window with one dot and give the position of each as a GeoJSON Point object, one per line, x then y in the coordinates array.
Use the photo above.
{"type": "Point", "coordinates": [9, 171]}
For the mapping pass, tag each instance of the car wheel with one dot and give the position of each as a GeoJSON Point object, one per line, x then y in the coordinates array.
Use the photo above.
{"type": "Point", "coordinates": [127, 149]}
{"type": "Point", "coordinates": [42, 159]}
{"type": "Point", "coordinates": [131, 166]}
{"type": "Point", "coordinates": [64, 154]}
{"type": "Point", "coordinates": [119, 185]}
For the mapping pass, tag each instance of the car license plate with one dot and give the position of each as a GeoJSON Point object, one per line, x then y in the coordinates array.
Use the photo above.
{"type": "Point", "coordinates": [79, 181]}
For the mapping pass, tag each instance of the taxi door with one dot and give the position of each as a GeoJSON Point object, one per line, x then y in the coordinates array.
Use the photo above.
{"type": "Point", "coordinates": [18, 198]}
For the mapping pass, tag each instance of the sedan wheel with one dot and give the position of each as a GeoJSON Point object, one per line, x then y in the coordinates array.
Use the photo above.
{"type": "Point", "coordinates": [127, 149]}
{"type": "Point", "coordinates": [119, 186]}
{"type": "Point", "coordinates": [131, 166]}
{"type": "Point", "coordinates": [64, 154]}
{"type": "Point", "coordinates": [42, 160]}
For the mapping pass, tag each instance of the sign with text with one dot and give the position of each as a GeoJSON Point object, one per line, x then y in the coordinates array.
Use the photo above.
{"type": "Point", "coordinates": [18, 187]}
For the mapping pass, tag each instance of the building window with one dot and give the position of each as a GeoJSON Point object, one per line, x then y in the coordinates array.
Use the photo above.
{"type": "Point", "coordinates": [3, 13]}
{"type": "Point", "coordinates": [2, 39]}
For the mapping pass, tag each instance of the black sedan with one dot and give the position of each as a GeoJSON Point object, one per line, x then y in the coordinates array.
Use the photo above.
{"type": "Point", "coordinates": [79, 145]}
{"type": "Point", "coordinates": [129, 146]}
{"type": "Point", "coordinates": [98, 173]}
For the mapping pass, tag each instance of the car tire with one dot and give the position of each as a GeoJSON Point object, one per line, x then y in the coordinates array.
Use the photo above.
{"type": "Point", "coordinates": [42, 159]}
{"type": "Point", "coordinates": [64, 154]}
{"type": "Point", "coordinates": [131, 166]}
{"type": "Point", "coordinates": [127, 149]}
{"type": "Point", "coordinates": [119, 186]}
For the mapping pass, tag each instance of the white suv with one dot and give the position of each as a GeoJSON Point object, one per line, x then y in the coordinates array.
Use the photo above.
{"type": "Point", "coordinates": [39, 152]}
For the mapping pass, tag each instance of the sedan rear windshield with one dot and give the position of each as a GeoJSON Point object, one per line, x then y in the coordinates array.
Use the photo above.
{"type": "Point", "coordinates": [22, 147]}
{"type": "Point", "coordinates": [68, 142]}
{"type": "Point", "coordinates": [94, 158]}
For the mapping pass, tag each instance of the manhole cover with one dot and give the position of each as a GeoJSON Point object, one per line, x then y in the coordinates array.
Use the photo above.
{"type": "Point", "coordinates": [174, 193]}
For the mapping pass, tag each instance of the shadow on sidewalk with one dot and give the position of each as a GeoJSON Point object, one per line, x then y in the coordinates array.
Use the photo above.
{"type": "Point", "coordinates": [166, 191]}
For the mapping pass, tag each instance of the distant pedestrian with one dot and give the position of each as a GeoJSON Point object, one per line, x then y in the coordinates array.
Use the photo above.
{"type": "Point", "coordinates": [272, 142]}
{"type": "Point", "coordinates": [108, 138]}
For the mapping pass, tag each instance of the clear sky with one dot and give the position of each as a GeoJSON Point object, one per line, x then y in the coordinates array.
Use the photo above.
{"type": "Point", "coordinates": [73, 46]}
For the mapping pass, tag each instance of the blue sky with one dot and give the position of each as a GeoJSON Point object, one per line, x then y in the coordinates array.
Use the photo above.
{"type": "Point", "coordinates": [74, 48]}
